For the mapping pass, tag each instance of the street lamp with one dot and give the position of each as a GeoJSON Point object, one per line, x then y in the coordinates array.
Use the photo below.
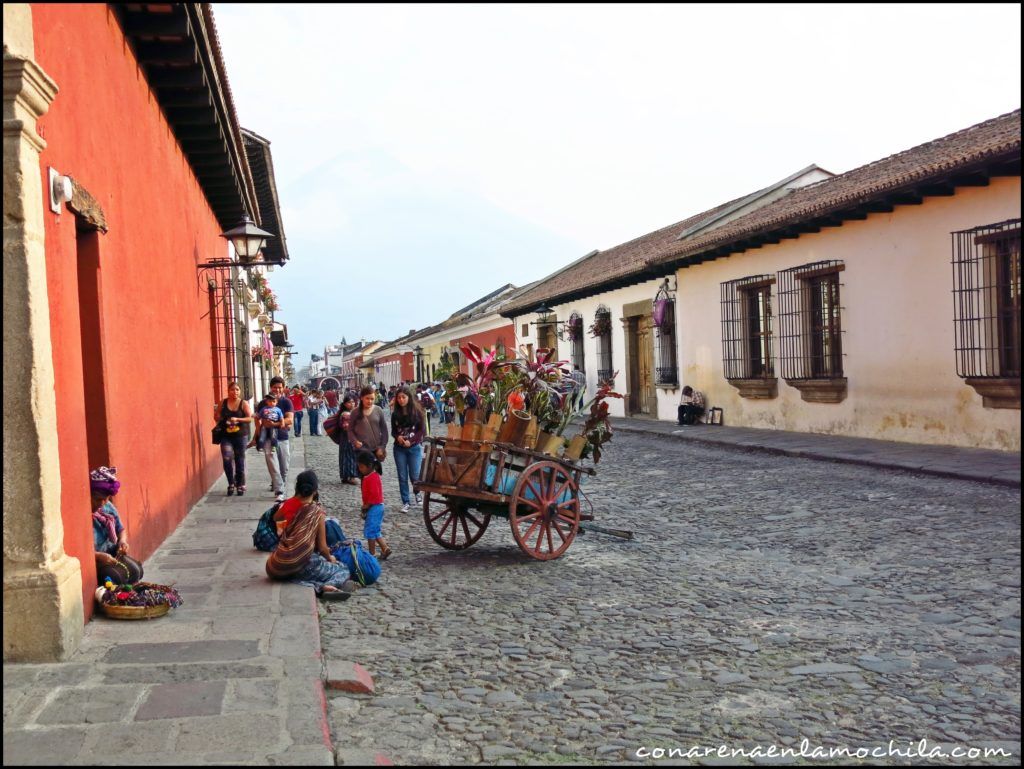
{"type": "Point", "coordinates": [247, 239]}
{"type": "Point", "coordinates": [418, 352]}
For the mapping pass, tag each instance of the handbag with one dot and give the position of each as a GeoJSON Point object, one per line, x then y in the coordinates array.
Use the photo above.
{"type": "Point", "coordinates": [332, 429]}
{"type": "Point", "coordinates": [219, 431]}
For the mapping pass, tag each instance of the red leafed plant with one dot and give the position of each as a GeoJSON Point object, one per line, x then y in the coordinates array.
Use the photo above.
{"type": "Point", "coordinates": [596, 427]}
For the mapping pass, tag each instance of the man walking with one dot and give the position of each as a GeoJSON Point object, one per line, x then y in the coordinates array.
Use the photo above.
{"type": "Point", "coordinates": [279, 456]}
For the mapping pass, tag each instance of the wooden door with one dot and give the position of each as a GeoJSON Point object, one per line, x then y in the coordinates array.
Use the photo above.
{"type": "Point", "coordinates": [646, 393]}
{"type": "Point", "coordinates": [633, 368]}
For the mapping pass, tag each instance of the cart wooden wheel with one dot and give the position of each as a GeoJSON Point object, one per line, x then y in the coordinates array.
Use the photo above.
{"type": "Point", "coordinates": [545, 510]}
{"type": "Point", "coordinates": [452, 524]}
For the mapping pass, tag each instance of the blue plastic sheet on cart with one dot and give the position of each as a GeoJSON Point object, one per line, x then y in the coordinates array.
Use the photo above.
{"type": "Point", "coordinates": [508, 484]}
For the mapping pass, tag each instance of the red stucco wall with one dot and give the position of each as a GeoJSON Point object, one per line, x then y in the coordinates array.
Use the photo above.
{"type": "Point", "coordinates": [485, 340]}
{"type": "Point", "coordinates": [106, 130]}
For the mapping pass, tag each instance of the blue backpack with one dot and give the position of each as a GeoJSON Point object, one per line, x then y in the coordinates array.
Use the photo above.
{"type": "Point", "coordinates": [265, 537]}
{"type": "Point", "coordinates": [362, 567]}
{"type": "Point", "coordinates": [335, 534]}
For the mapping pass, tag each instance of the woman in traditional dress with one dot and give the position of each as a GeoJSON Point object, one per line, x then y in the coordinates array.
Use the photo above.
{"type": "Point", "coordinates": [346, 451]}
{"type": "Point", "coordinates": [109, 539]}
{"type": "Point", "coordinates": [302, 555]}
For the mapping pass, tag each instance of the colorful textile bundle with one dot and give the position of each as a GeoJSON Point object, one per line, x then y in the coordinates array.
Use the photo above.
{"type": "Point", "coordinates": [362, 567]}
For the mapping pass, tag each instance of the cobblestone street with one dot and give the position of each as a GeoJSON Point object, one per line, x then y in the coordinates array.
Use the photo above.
{"type": "Point", "coordinates": [764, 599]}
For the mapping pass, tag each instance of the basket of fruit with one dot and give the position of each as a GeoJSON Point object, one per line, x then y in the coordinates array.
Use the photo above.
{"type": "Point", "coordinates": [143, 600]}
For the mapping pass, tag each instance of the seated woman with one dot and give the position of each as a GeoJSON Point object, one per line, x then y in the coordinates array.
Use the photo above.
{"type": "Point", "coordinates": [302, 555]}
{"type": "Point", "coordinates": [112, 560]}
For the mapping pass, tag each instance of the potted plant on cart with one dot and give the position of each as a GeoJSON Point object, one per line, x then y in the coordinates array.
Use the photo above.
{"type": "Point", "coordinates": [596, 429]}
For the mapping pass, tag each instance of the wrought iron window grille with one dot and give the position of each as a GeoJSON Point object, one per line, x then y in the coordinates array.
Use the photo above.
{"type": "Point", "coordinates": [603, 321]}
{"type": "Point", "coordinates": [986, 300]}
{"type": "Point", "coordinates": [666, 371]}
{"type": "Point", "coordinates": [810, 331]}
{"type": "Point", "coordinates": [574, 333]}
{"type": "Point", "coordinates": [747, 328]}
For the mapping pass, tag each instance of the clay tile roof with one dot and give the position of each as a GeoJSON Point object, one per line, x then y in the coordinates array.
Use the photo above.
{"type": "Point", "coordinates": [603, 266]}
{"type": "Point", "coordinates": [945, 160]}
{"type": "Point", "coordinates": [652, 255]}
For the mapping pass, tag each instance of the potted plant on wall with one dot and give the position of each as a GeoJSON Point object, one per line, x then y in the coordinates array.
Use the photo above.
{"type": "Point", "coordinates": [574, 328]}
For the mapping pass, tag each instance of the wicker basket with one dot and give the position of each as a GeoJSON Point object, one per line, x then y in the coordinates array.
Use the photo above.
{"type": "Point", "coordinates": [134, 612]}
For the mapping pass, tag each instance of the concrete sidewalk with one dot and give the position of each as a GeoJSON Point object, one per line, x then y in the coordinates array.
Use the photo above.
{"type": "Point", "coordinates": [1002, 467]}
{"type": "Point", "coordinates": [232, 676]}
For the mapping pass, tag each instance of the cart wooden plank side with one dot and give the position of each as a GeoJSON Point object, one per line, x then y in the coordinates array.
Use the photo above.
{"type": "Point", "coordinates": [466, 482]}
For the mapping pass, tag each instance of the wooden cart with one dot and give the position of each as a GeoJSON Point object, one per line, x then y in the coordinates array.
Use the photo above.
{"type": "Point", "coordinates": [465, 482]}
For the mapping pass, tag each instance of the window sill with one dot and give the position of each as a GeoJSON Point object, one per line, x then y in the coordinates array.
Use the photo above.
{"type": "Point", "coordinates": [667, 387]}
{"type": "Point", "coordinates": [820, 390]}
{"type": "Point", "coordinates": [756, 388]}
{"type": "Point", "coordinates": [997, 393]}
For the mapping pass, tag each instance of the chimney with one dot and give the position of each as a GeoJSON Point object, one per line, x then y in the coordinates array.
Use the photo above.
{"type": "Point", "coordinates": [412, 331]}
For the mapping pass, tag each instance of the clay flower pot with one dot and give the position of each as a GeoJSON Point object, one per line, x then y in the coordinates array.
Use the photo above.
{"type": "Point", "coordinates": [576, 446]}
{"type": "Point", "coordinates": [514, 429]}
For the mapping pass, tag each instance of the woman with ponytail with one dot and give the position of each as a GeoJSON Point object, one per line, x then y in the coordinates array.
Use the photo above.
{"type": "Point", "coordinates": [302, 555]}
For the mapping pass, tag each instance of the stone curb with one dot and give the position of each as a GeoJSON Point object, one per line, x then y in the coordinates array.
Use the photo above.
{"type": "Point", "coordinates": [825, 457]}
{"type": "Point", "coordinates": [346, 676]}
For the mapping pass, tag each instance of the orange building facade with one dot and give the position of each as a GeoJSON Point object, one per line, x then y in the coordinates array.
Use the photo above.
{"type": "Point", "coordinates": [132, 334]}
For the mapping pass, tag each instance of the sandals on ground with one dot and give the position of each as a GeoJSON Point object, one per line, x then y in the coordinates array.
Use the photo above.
{"type": "Point", "coordinates": [334, 595]}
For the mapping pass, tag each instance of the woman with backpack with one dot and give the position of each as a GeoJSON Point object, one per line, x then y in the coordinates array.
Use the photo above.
{"type": "Point", "coordinates": [302, 554]}
{"type": "Point", "coordinates": [368, 428]}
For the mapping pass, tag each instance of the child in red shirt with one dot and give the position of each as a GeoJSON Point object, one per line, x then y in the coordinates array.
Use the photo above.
{"type": "Point", "coordinates": [373, 503]}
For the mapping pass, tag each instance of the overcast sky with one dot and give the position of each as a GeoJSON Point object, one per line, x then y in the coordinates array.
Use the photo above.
{"type": "Point", "coordinates": [427, 154]}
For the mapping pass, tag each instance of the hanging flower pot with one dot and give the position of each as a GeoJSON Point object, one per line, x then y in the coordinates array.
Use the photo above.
{"type": "Point", "coordinates": [601, 326]}
{"type": "Point", "coordinates": [661, 311]}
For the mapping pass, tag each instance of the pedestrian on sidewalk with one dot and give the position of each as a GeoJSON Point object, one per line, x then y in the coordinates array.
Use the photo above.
{"type": "Point", "coordinates": [369, 427]}
{"type": "Point", "coordinates": [279, 456]}
{"type": "Point", "coordinates": [691, 406]}
{"type": "Point", "coordinates": [331, 399]}
{"type": "Point", "coordinates": [313, 401]}
{"type": "Point", "coordinates": [109, 538]}
{"type": "Point", "coordinates": [373, 503]}
{"type": "Point", "coordinates": [407, 428]}
{"type": "Point", "coordinates": [298, 399]}
{"type": "Point", "coordinates": [426, 401]}
{"type": "Point", "coordinates": [346, 451]}
{"type": "Point", "coordinates": [236, 416]}
{"type": "Point", "coordinates": [302, 555]}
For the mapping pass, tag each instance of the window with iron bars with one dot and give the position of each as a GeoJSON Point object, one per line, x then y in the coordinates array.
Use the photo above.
{"type": "Point", "coordinates": [229, 335]}
{"type": "Point", "coordinates": [604, 347]}
{"type": "Point", "coordinates": [666, 370]}
{"type": "Point", "coordinates": [987, 310]}
{"type": "Point", "coordinates": [747, 344]}
{"type": "Point", "coordinates": [810, 334]}
{"type": "Point", "coordinates": [574, 330]}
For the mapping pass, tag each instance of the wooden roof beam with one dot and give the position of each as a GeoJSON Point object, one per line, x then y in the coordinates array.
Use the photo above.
{"type": "Point", "coordinates": [155, 24]}
{"type": "Point", "coordinates": [176, 77]}
{"type": "Point", "coordinates": [160, 52]}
